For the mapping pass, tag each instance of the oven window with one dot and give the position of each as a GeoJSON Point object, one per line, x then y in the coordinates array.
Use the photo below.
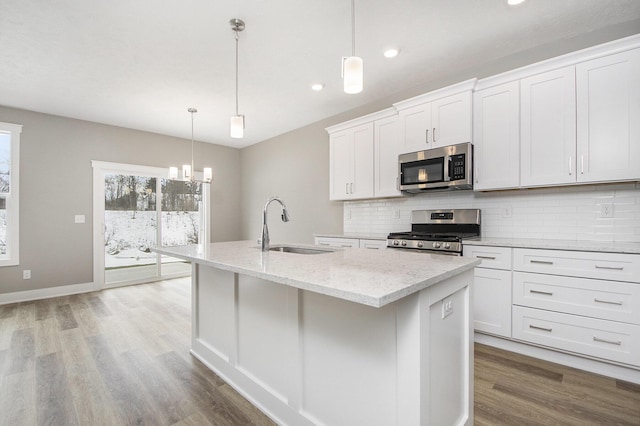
{"type": "Point", "coordinates": [423, 171]}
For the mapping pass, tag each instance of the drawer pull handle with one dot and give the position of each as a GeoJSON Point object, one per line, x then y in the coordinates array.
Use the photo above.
{"type": "Point", "coordinates": [613, 268]}
{"type": "Point", "coordinates": [543, 262]}
{"type": "Point", "coordinates": [372, 247]}
{"type": "Point", "coordinates": [548, 293]}
{"type": "Point", "coordinates": [346, 245]}
{"type": "Point", "coordinates": [323, 244]}
{"type": "Point", "coordinates": [611, 342]}
{"type": "Point", "coordinates": [607, 301]}
{"type": "Point", "coordinates": [486, 257]}
{"type": "Point", "coordinates": [541, 328]}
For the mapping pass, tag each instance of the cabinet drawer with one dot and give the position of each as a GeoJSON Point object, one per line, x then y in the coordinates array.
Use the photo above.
{"type": "Point", "coordinates": [337, 242]}
{"type": "Point", "coordinates": [593, 337]}
{"type": "Point", "coordinates": [492, 257]}
{"type": "Point", "coordinates": [373, 244]}
{"type": "Point", "coordinates": [610, 300]}
{"type": "Point", "coordinates": [604, 266]}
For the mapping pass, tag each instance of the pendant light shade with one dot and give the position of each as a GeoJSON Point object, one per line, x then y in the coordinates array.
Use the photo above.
{"type": "Point", "coordinates": [353, 66]}
{"type": "Point", "coordinates": [236, 123]}
{"type": "Point", "coordinates": [236, 126]}
{"type": "Point", "coordinates": [353, 74]}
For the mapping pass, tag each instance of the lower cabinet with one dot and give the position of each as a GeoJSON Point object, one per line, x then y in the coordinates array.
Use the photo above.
{"type": "Point", "coordinates": [351, 242]}
{"type": "Point", "coordinates": [492, 289]}
{"type": "Point", "coordinates": [581, 303]}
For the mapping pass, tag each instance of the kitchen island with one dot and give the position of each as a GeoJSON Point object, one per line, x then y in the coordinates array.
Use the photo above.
{"type": "Point", "coordinates": [340, 337]}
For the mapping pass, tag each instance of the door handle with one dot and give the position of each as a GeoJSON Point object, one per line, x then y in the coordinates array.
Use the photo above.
{"type": "Point", "coordinates": [569, 166]}
{"type": "Point", "coordinates": [426, 136]}
{"type": "Point", "coordinates": [433, 135]}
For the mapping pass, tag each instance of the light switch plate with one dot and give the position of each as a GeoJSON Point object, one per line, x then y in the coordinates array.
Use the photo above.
{"type": "Point", "coordinates": [79, 218]}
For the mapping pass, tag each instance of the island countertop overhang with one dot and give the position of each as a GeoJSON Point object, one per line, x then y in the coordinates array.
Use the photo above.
{"type": "Point", "coordinates": [369, 277]}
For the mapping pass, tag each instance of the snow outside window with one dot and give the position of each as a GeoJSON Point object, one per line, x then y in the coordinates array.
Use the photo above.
{"type": "Point", "coordinates": [9, 190]}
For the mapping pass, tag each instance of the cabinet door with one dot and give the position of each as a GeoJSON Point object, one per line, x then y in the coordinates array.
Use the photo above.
{"type": "Point", "coordinates": [548, 128]}
{"type": "Point", "coordinates": [341, 152]}
{"type": "Point", "coordinates": [496, 136]}
{"type": "Point", "coordinates": [415, 128]}
{"type": "Point", "coordinates": [492, 301]}
{"type": "Point", "coordinates": [608, 106]}
{"type": "Point", "coordinates": [451, 120]}
{"type": "Point", "coordinates": [362, 165]}
{"type": "Point", "coordinates": [387, 147]}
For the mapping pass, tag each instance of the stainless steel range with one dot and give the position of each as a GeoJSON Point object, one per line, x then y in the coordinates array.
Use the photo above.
{"type": "Point", "coordinates": [438, 231]}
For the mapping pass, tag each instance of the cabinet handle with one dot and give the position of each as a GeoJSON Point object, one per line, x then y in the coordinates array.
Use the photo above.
{"type": "Point", "coordinates": [351, 187]}
{"type": "Point", "coordinates": [346, 245]}
{"type": "Point", "coordinates": [611, 342]}
{"type": "Point", "coordinates": [541, 328]}
{"type": "Point", "coordinates": [433, 135]}
{"type": "Point", "coordinates": [582, 164]}
{"type": "Point", "coordinates": [569, 166]}
{"type": "Point", "coordinates": [548, 293]}
{"type": "Point", "coordinates": [372, 247]}
{"type": "Point", "coordinates": [426, 136]}
{"type": "Point", "coordinates": [323, 244]}
{"type": "Point", "coordinates": [346, 188]}
{"type": "Point", "coordinates": [542, 262]}
{"type": "Point", "coordinates": [607, 301]}
{"type": "Point", "coordinates": [486, 257]}
{"type": "Point", "coordinates": [613, 268]}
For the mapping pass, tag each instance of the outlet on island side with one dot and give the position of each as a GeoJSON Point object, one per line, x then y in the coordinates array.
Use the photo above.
{"type": "Point", "coordinates": [447, 308]}
{"type": "Point", "coordinates": [26, 274]}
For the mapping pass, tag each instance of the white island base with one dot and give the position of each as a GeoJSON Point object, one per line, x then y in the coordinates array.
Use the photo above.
{"type": "Point", "coordinates": [305, 358]}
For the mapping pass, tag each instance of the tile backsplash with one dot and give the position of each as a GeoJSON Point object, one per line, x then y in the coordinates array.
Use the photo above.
{"type": "Point", "coordinates": [566, 213]}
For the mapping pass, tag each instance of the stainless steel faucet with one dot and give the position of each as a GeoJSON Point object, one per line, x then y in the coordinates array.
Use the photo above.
{"type": "Point", "coordinates": [264, 241]}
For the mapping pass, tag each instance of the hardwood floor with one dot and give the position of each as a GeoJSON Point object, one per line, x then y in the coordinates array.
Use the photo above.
{"type": "Point", "coordinates": [121, 357]}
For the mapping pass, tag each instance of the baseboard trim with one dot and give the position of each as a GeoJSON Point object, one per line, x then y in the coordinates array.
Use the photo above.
{"type": "Point", "coordinates": [616, 371]}
{"type": "Point", "coordinates": [46, 293]}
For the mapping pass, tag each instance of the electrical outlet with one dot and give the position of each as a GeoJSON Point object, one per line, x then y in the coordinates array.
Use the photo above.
{"type": "Point", "coordinates": [606, 210]}
{"type": "Point", "coordinates": [507, 212]}
{"type": "Point", "coordinates": [447, 308]}
{"type": "Point", "coordinates": [26, 274]}
{"type": "Point", "coordinates": [396, 213]}
{"type": "Point", "coordinates": [79, 218]}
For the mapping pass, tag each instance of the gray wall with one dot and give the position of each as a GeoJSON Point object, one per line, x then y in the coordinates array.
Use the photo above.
{"type": "Point", "coordinates": [56, 184]}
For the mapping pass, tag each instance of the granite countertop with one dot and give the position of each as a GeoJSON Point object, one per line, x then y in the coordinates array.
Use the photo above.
{"type": "Point", "coordinates": [369, 277]}
{"type": "Point", "coordinates": [577, 245]}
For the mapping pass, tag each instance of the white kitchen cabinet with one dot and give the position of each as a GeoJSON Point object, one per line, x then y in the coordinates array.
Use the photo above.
{"type": "Point", "coordinates": [608, 114]}
{"type": "Point", "coordinates": [373, 244]}
{"type": "Point", "coordinates": [436, 119]}
{"type": "Point", "coordinates": [580, 302]}
{"type": "Point", "coordinates": [548, 128]}
{"type": "Point", "coordinates": [496, 137]}
{"type": "Point", "coordinates": [492, 289]}
{"type": "Point", "coordinates": [351, 163]}
{"type": "Point", "coordinates": [386, 149]}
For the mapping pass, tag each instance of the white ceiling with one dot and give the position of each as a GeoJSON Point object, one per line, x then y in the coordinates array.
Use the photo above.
{"type": "Point", "coordinates": [141, 64]}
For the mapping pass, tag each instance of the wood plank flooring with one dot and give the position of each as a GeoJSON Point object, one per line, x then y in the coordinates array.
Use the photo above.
{"type": "Point", "coordinates": [121, 357]}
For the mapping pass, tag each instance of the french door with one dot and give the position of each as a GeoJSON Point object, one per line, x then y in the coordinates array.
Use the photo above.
{"type": "Point", "coordinates": [137, 208]}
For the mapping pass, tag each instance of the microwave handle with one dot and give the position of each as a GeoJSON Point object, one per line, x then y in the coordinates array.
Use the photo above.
{"type": "Point", "coordinates": [448, 170]}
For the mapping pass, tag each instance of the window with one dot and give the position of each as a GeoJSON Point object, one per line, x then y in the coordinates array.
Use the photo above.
{"type": "Point", "coordinates": [9, 191]}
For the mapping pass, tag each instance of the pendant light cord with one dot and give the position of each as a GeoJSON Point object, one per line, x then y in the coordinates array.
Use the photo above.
{"type": "Point", "coordinates": [353, 28]}
{"type": "Point", "coordinates": [236, 30]}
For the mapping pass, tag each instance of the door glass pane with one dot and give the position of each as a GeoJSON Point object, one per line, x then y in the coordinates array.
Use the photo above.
{"type": "Point", "coordinates": [130, 228]}
{"type": "Point", "coordinates": [5, 163]}
{"type": "Point", "coordinates": [3, 226]}
{"type": "Point", "coordinates": [181, 220]}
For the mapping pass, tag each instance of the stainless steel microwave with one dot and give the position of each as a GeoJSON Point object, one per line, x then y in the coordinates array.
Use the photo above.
{"type": "Point", "coordinates": [448, 167]}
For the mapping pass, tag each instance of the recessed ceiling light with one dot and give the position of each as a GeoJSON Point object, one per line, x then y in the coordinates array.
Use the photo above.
{"type": "Point", "coordinates": [391, 53]}
{"type": "Point", "coordinates": [317, 87]}
{"type": "Point", "coordinates": [514, 2]}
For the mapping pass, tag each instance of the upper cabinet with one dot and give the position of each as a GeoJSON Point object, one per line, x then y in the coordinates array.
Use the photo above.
{"type": "Point", "coordinates": [548, 128]}
{"type": "Point", "coordinates": [496, 137]}
{"type": "Point", "coordinates": [608, 108]}
{"type": "Point", "coordinates": [364, 157]}
{"type": "Point", "coordinates": [436, 119]}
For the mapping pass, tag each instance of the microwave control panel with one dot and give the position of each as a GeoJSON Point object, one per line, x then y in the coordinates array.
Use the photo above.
{"type": "Point", "coordinates": [456, 167]}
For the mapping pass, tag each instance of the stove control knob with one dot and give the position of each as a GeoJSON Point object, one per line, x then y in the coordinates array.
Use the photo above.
{"type": "Point", "coordinates": [404, 243]}
{"type": "Point", "coordinates": [447, 245]}
{"type": "Point", "coordinates": [420, 244]}
{"type": "Point", "coordinates": [436, 245]}
{"type": "Point", "coordinates": [396, 242]}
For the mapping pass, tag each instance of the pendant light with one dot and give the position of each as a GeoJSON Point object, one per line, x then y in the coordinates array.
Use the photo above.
{"type": "Point", "coordinates": [188, 170]}
{"type": "Point", "coordinates": [236, 124]}
{"type": "Point", "coordinates": [352, 66]}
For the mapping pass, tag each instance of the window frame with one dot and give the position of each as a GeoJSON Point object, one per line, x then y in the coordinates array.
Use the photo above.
{"type": "Point", "coordinates": [12, 257]}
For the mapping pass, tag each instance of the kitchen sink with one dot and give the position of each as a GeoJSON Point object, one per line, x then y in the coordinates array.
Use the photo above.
{"type": "Point", "coordinates": [300, 250]}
